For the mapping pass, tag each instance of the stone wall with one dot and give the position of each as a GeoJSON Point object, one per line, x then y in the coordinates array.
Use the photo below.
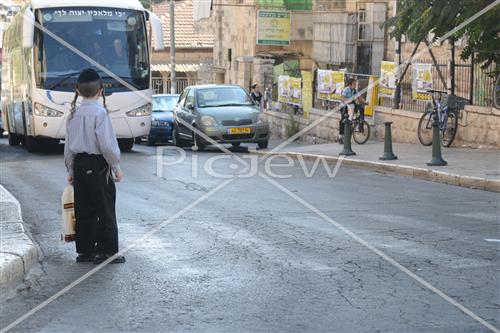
{"type": "Point", "coordinates": [478, 127]}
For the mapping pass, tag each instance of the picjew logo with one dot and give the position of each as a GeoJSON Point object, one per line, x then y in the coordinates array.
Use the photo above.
{"type": "Point", "coordinates": [51, 98]}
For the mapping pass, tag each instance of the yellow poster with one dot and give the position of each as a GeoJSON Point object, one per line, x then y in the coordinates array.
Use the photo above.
{"type": "Point", "coordinates": [371, 96]}
{"type": "Point", "coordinates": [387, 81]}
{"type": "Point", "coordinates": [273, 27]}
{"type": "Point", "coordinates": [295, 91]}
{"type": "Point", "coordinates": [330, 85]}
{"type": "Point", "coordinates": [307, 92]}
{"type": "Point", "coordinates": [421, 75]}
{"type": "Point", "coordinates": [283, 88]}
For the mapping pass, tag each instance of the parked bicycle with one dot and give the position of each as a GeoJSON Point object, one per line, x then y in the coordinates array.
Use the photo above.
{"type": "Point", "coordinates": [448, 119]}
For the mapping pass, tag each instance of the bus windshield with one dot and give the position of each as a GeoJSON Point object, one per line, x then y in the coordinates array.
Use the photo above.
{"type": "Point", "coordinates": [114, 38]}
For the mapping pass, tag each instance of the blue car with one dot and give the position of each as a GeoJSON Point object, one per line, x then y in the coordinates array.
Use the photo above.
{"type": "Point", "coordinates": [162, 119]}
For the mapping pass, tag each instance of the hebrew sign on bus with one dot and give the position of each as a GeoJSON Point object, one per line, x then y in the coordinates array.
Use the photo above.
{"type": "Point", "coordinates": [273, 27]}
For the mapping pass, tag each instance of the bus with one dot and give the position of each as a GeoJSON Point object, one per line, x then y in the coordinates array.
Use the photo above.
{"type": "Point", "coordinates": [46, 46]}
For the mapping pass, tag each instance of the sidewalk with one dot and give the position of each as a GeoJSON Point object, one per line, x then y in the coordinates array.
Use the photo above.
{"type": "Point", "coordinates": [18, 253]}
{"type": "Point", "coordinates": [473, 168]}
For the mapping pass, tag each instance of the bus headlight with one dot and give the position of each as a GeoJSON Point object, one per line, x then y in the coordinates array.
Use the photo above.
{"type": "Point", "coordinates": [44, 111]}
{"type": "Point", "coordinates": [142, 111]}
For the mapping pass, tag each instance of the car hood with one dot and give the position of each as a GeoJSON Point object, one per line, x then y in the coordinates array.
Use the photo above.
{"type": "Point", "coordinates": [231, 112]}
{"type": "Point", "coordinates": [162, 116]}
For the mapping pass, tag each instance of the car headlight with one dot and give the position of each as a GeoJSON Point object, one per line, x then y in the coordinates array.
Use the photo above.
{"type": "Point", "coordinates": [155, 123]}
{"type": "Point", "coordinates": [44, 111]}
{"type": "Point", "coordinates": [142, 111]}
{"type": "Point", "coordinates": [261, 119]}
{"type": "Point", "coordinates": [208, 121]}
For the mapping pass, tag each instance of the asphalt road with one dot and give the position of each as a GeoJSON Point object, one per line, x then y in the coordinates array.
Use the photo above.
{"type": "Point", "coordinates": [251, 258]}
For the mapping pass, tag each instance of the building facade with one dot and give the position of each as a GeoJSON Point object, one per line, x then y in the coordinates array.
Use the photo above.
{"type": "Point", "coordinates": [194, 49]}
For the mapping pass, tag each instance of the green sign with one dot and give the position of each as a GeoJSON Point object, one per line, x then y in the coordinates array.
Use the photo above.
{"type": "Point", "coordinates": [287, 4]}
{"type": "Point", "coordinates": [273, 27]}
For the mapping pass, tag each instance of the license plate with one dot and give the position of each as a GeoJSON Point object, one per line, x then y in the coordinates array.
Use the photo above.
{"type": "Point", "coordinates": [240, 130]}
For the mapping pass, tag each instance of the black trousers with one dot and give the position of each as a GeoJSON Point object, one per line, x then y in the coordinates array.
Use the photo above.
{"type": "Point", "coordinates": [95, 197]}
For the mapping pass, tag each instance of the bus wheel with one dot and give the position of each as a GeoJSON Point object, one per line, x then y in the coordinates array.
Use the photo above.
{"type": "Point", "coordinates": [125, 144]}
{"type": "Point", "coordinates": [32, 144]}
{"type": "Point", "coordinates": [14, 139]}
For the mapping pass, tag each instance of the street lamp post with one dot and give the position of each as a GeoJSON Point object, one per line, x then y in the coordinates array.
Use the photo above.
{"type": "Point", "coordinates": [173, 83]}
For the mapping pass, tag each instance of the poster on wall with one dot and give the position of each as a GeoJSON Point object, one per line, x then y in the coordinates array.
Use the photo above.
{"type": "Point", "coordinates": [330, 85]}
{"type": "Point", "coordinates": [307, 92]}
{"type": "Point", "coordinates": [295, 91]}
{"type": "Point", "coordinates": [387, 83]}
{"type": "Point", "coordinates": [421, 81]}
{"type": "Point", "coordinates": [283, 88]}
{"type": "Point", "coordinates": [273, 27]}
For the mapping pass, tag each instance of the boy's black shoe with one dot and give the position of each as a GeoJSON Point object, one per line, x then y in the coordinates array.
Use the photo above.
{"type": "Point", "coordinates": [100, 258]}
{"type": "Point", "coordinates": [85, 257]}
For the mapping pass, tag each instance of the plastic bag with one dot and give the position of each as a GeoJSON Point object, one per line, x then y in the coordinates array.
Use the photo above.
{"type": "Point", "coordinates": [68, 232]}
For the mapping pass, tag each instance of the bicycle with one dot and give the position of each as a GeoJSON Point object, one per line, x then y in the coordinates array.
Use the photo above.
{"type": "Point", "coordinates": [360, 129]}
{"type": "Point", "coordinates": [447, 116]}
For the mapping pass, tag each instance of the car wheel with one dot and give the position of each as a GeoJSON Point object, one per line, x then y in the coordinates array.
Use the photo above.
{"type": "Point", "coordinates": [176, 140]}
{"type": "Point", "coordinates": [125, 144]}
{"type": "Point", "coordinates": [197, 143]}
{"type": "Point", "coordinates": [263, 144]}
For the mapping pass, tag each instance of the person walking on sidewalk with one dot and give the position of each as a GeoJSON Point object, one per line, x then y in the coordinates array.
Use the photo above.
{"type": "Point", "coordinates": [256, 95]}
{"type": "Point", "coordinates": [92, 157]}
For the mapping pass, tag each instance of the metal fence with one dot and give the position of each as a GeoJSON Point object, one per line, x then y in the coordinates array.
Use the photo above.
{"type": "Point", "coordinates": [471, 83]}
{"type": "Point", "coordinates": [162, 86]}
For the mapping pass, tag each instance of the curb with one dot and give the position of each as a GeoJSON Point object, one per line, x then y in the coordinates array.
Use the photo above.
{"type": "Point", "coordinates": [402, 170]}
{"type": "Point", "coordinates": [18, 253]}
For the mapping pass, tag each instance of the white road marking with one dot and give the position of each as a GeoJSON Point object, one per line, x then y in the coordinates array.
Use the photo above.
{"type": "Point", "coordinates": [492, 240]}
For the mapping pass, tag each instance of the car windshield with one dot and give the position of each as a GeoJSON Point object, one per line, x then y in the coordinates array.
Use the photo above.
{"type": "Point", "coordinates": [164, 103]}
{"type": "Point", "coordinates": [222, 96]}
{"type": "Point", "coordinates": [114, 38]}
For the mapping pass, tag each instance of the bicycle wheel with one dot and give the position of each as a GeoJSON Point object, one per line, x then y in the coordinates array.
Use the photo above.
{"type": "Point", "coordinates": [425, 129]}
{"type": "Point", "coordinates": [361, 134]}
{"type": "Point", "coordinates": [449, 130]}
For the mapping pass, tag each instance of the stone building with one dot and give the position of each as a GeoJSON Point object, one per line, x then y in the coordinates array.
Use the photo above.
{"type": "Point", "coordinates": [194, 49]}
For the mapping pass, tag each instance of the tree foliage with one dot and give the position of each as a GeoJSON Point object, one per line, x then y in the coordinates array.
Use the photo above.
{"type": "Point", "coordinates": [147, 3]}
{"type": "Point", "coordinates": [417, 19]}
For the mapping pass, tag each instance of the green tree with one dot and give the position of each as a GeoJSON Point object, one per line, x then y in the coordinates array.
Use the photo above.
{"type": "Point", "coordinates": [417, 18]}
{"type": "Point", "coordinates": [147, 3]}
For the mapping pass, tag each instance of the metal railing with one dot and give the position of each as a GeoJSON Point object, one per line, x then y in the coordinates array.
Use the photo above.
{"type": "Point", "coordinates": [478, 89]}
{"type": "Point", "coordinates": [162, 86]}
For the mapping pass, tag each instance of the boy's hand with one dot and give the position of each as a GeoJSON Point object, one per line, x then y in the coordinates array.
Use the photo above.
{"type": "Point", "coordinates": [119, 176]}
{"type": "Point", "coordinates": [70, 180]}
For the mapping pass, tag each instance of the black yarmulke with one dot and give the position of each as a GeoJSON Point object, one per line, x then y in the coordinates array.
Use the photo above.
{"type": "Point", "coordinates": [88, 75]}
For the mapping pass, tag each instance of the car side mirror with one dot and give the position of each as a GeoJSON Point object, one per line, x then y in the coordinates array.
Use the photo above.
{"type": "Point", "coordinates": [190, 106]}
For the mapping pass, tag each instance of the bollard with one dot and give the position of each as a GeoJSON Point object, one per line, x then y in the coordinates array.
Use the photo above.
{"type": "Point", "coordinates": [347, 139]}
{"type": "Point", "coordinates": [437, 159]}
{"type": "Point", "coordinates": [388, 154]}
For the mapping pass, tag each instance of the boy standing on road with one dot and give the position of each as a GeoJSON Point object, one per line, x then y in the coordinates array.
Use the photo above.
{"type": "Point", "coordinates": [91, 155]}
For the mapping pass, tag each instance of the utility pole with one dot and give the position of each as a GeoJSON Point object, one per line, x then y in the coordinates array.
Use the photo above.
{"type": "Point", "coordinates": [173, 82]}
